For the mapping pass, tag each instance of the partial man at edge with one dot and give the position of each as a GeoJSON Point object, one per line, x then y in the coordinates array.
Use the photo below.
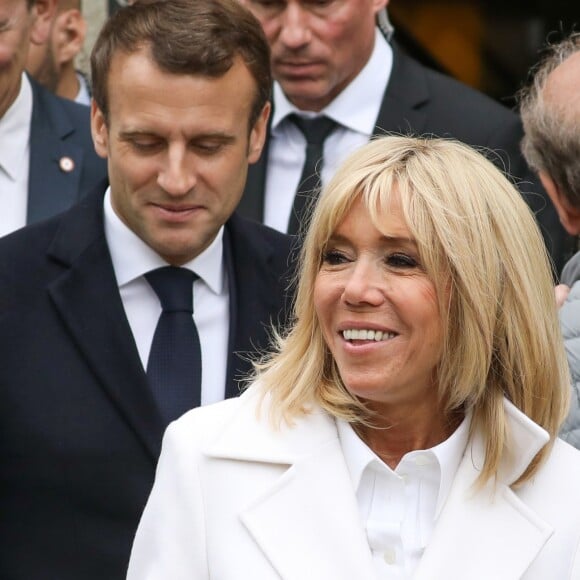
{"type": "Point", "coordinates": [550, 109]}
{"type": "Point", "coordinates": [47, 158]}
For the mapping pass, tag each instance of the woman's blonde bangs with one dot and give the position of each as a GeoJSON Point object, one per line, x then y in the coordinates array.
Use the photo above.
{"type": "Point", "coordinates": [480, 245]}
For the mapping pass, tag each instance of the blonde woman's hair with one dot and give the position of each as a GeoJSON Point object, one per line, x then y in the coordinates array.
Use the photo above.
{"type": "Point", "coordinates": [480, 245]}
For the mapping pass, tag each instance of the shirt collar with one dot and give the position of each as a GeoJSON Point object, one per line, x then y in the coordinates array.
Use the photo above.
{"type": "Point", "coordinates": [358, 456]}
{"type": "Point", "coordinates": [449, 454]}
{"type": "Point", "coordinates": [366, 90]}
{"type": "Point", "coordinates": [132, 257]}
{"type": "Point", "coordinates": [15, 131]}
{"type": "Point", "coordinates": [83, 96]}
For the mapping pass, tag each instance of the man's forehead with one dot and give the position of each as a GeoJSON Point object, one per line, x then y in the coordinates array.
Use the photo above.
{"type": "Point", "coordinates": [150, 99]}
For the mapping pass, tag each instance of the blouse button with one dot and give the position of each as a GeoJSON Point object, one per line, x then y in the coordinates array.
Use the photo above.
{"type": "Point", "coordinates": [390, 556]}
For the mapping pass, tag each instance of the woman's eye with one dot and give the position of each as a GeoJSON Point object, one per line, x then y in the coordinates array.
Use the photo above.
{"type": "Point", "coordinates": [333, 257]}
{"type": "Point", "coordinates": [401, 261]}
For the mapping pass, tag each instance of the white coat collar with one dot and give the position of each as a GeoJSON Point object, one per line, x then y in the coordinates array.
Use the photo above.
{"type": "Point", "coordinates": [492, 532]}
{"type": "Point", "coordinates": [311, 507]}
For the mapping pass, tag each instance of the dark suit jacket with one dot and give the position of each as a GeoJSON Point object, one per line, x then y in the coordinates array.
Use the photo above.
{"type": "Point", "coordinates": [79, 430]}
{"type": "Point", "coordinates": [60, 129]}
{"type": "Point", "coordinates": [419, 101]}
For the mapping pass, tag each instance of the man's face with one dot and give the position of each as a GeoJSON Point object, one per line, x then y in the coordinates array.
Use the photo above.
{"type": "Point", "coordinates": [16, 23]}
{"type": "Point", "coordinates": [318, 47]}
{"type": "Point", "coordinates": [178, 148]}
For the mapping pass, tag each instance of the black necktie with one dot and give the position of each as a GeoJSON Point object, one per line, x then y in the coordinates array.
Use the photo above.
{"type": "Point", "coordinates": [174, 366]}
{"type": "Point", "coordinates": [315, 131]}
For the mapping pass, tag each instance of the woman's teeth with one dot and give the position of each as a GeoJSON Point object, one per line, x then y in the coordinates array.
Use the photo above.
{"type": "Point", "coordinates": [358, 334]}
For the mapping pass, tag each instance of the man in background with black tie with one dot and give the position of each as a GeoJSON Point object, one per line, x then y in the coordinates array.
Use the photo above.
{"type": "Point", "coordinates": [99, 346]}
{"type": "Point", "coordinates": [330, 60]}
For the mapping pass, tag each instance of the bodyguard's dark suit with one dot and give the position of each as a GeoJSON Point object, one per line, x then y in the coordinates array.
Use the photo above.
{"type": "Point", "coordinates": [60, 131]}
{"type": "Point", "coordinates": [79, 431]}
{"type": "Point", "coordinates": [419, 101]}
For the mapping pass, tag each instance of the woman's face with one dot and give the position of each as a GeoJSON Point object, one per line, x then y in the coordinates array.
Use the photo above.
{"type": "Point", "coordinates": [378, 310]}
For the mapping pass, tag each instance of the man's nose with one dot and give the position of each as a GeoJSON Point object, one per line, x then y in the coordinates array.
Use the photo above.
{"type": "Point", "coordinates": [177, 176]}
{"type": "Point", "coordinates": [295, 26]}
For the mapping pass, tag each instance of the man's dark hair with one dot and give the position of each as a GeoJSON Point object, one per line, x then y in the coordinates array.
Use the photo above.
{"type": "Point", "coordinates": [192, 37]}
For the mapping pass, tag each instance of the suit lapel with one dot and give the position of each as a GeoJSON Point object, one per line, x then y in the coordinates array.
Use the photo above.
{"type": "Point", "coordinates": [48, 148]}
{"type": "Point", "coordinates": [254, 294]}
{"type": "Point", "coordinates": [491, 533]}
{"type": "Point", "coordinates": [251, 205]}
{"type": "Point", "coordinates": [305, 521]}
{"type": "Point", "coordinates": [87, 298]}
{"type": "Point", "coordinates": [406, 94]}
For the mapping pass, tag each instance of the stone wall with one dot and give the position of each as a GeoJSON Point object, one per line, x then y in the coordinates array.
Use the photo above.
{"type": "Point", "coordinates": [95, 13]}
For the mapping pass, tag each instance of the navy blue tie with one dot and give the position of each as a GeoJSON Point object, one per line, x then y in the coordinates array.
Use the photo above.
{"type": "Point", "coordinates": [315, 131]}
{"type": "Point", "coordinates": [174, 366]}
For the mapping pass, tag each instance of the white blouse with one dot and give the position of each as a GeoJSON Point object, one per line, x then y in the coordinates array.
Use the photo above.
{"type": "Point", "coordinates": [399, 508]}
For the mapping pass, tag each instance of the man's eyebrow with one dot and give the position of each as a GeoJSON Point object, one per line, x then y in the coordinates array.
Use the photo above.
{"type": "Point", "coordinates": [214, 135]}
{"type": "Point", "coordinates": [210, 135]}
{"type": "Point", "coordinates": [6, 22]}
{"type": "Point", "coordinates": [136, 133]}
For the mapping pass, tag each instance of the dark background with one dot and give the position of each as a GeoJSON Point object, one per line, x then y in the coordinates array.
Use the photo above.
{"type": "Point", "coordinates": [490, 45]}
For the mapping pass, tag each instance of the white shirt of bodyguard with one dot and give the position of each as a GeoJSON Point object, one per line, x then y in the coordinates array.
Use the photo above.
{"type": "Point", "coordinates": [15, 160]}
{"type": "Point", "coordinates": [132, 258]}
{"type": "Point", "coordinates": [398, 508]}
{"type": "Point", "coordinates": [83, 96]}
{"type": "Point", "coordinates": [356, 110]}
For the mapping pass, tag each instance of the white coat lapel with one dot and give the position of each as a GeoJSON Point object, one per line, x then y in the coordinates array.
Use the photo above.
{"type": "Point", "coordinates": [489, 533]}
{"type": "Point", "coordinates": [306, 521]}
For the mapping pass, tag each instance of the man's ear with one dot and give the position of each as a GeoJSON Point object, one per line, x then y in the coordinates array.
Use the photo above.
{"type": "Point", "coordinates": [70, 30]}
{"type": "Point", "coordinates": [43, 13]}
{"type": "Point", "coordinates": [569, 214]}
{"type": "Point", "coordinates": [99, 131]}
{"type": "Point", "coordinates": [258, 134]}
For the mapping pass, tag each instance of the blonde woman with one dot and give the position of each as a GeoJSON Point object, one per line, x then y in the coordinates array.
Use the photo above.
{"type": "Point", "coordinates": [406, 425]}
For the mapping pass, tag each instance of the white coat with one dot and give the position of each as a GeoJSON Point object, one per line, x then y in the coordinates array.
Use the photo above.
{"type": "Point", "coordinates": [235, 500]}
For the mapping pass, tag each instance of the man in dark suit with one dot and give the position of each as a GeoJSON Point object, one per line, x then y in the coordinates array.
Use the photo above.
{"type": "Point", "coordinates": [330, 60]}
{"type": "Point", "coordinates": [180, 110]}
{"type": "Point", "coordinates": [47, 158]}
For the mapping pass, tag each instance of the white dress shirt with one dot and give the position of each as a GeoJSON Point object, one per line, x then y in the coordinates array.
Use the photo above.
{"type": "Point", "coordinates": [356, 110]}
{"type": "Point", "coordinates": [133, 258]}
{"type": "Point", "coordinates": [83, 96]}
{"type": "Point", "coordinates": [399, 508]}
{"type": "Point", "coordinates": [15, 160]}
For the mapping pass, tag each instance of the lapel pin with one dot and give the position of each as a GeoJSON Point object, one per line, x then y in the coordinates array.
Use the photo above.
{"type": "Point", "coordinates": [66, 164]}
